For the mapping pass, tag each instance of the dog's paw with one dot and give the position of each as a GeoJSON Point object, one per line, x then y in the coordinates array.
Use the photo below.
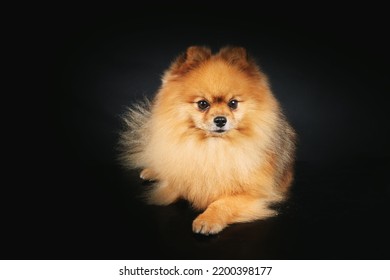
{"type": "Point", "coordinates": [162, 194]}
{"type": "Point", "coordinates": [147, 174]}
{"type": "Point", "coordinates": [207, 224]}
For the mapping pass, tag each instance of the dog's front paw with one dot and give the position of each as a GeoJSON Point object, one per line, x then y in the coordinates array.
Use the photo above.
{"type": "Point", "coordinates": [208, 224]}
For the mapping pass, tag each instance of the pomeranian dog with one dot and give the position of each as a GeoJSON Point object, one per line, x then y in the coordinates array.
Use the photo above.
{"type": "Point", "coordinates": [215, 136]}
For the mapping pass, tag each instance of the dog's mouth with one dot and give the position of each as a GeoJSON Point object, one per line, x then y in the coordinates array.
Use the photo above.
{"type": "Point", "coordinates": [218, 131]}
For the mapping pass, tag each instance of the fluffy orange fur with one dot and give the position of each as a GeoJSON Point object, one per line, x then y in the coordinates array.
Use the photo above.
{"type": "Point", "coordinates": [233, 172]}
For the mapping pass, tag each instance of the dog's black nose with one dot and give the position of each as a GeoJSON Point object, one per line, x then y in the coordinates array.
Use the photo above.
{"type": "Point", "coordinates": [220, 121]}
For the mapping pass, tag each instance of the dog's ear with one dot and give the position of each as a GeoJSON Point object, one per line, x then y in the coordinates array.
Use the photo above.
{"type": "Point", "coordinates": [234, 55]}
{"type": "Point", "coordinates": [238, 56]}
{"type": "Point", "coordinates": [194, 56]}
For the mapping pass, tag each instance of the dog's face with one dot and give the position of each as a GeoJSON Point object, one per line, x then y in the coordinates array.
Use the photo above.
{"type": "Point", "coordinates": [216, 114]}
{"type": "Point", "coordinates": [215, 94]}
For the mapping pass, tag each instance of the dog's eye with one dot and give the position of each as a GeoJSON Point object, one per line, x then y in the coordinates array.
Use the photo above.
{"type": "Point", "coordinates": [233, 104]}
{"type": "Point", "coordinates": [203, 105]}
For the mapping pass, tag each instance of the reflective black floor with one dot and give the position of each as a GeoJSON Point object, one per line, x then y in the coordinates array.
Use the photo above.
{"type": "Point", "coordinates": [336, 211]}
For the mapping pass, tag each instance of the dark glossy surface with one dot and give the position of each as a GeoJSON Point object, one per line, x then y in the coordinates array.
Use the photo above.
{"type": "Point", "coordinates": [334, 212]}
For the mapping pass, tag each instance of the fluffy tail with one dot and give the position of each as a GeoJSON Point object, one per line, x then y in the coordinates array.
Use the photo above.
{"type": "Point", "coordinates": [133, 137]}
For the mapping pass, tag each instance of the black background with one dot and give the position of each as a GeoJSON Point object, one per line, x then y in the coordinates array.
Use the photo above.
{"type": "Point", "coordinates": [80, 68]}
